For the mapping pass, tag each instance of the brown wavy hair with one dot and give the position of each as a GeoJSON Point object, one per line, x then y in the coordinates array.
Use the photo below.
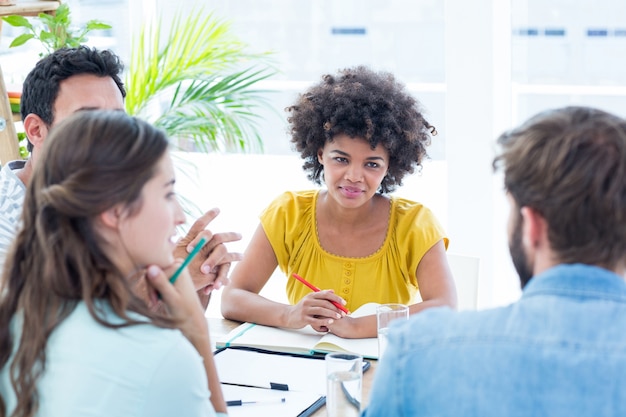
{"type": "Point", "coordinates": [92, 161]}
{"type": "Point", "coordinates": [361, 103]}
{"type": "Point", "coordinates": [569, 164]}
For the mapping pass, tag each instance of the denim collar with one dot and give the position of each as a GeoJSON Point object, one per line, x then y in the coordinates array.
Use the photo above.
{"type": "Point", "coordinates": [578, 279]}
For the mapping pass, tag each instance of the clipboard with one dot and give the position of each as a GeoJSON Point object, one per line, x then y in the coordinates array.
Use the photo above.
{"type": "Point", "coordinates": [301, 404]}
{"type": "Point", "coordinates": [260, 373]}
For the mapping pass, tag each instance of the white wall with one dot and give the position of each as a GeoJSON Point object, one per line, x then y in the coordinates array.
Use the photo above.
{"type": "Point", "coordinates": [478, 108]}
{"type": "Point", "coordinates": [454, 57]}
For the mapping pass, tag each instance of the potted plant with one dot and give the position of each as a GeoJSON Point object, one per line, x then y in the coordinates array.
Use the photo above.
{"type": "Point", "coordinates": [55, 31]}
{"type": "Point", "coordinates": [198, 82]}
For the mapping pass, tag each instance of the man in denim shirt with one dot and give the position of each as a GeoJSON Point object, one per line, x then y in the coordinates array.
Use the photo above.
{"type": "Point", "coordinates": [561, 349]}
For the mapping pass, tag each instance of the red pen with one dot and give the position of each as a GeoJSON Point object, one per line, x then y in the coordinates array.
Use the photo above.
{"type": "Point", "coordinates": [314, 288]}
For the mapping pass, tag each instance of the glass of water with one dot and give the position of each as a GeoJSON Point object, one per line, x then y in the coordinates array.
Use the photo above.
{"type": "Point", "coordinates": [344, 377]}
{"type": "Point", "coordinates": [385, 314]}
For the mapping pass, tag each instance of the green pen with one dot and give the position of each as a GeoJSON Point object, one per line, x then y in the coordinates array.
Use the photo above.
{"type": "Point", "coordinates": [188, 259]}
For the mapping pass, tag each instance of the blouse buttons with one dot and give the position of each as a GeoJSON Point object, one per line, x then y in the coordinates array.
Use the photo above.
{"type": "Point", "coordinates": [348, 282]}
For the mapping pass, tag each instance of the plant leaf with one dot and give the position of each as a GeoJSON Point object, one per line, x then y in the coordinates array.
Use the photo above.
{"type": "Point", "coordinates": [47, 19]}
{"type": "Point", "coordinates": [18, 21]}
{"type": "Point", "coordinates": [46, 37]}
{"type": "Point", "coordinates": [21, 39]}
{"type": "Point", "coordinates": [74, 43]}
{"type": "Point", "coordinates": [96, 25]}
{"type": "Point", "coordinates": [62, 14]}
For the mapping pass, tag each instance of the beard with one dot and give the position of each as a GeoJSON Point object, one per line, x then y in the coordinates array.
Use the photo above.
{"type": "Point", "coordinates": [516, 249]}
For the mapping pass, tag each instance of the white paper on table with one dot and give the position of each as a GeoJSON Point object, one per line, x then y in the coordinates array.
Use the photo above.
{"type": "Point", "coordinates": [295, 401]}
{"type": "Point", "coordinates": [244, 367]}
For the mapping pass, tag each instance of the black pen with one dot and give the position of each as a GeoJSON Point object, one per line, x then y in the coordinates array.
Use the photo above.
{"type": "Point", "coordinates": [241, 402]}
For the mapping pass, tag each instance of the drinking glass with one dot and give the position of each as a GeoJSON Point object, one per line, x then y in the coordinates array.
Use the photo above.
{"type": "Point", "coordinates": [344, 377]}
{"type": "Point", "coordinates": [385, 314]}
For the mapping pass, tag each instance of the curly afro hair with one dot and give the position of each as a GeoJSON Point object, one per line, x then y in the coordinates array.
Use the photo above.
{"type": "Point", "coordinates": [361, 103]}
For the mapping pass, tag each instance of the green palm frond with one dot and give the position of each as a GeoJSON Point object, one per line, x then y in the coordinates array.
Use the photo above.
{"type": "Point", "coordinates": [217, 107]}
{"type": "Point", "coordinates": [198, 83]}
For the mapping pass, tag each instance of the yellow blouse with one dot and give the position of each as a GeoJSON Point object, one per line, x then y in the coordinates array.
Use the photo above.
{"type": "Point", "coordinates": [386, 276]}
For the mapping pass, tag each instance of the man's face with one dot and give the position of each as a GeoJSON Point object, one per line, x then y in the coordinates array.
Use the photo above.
{"type": "Point", "coordinates": [86, 92]}
{"type": "Point", "coordinates": [78, 92]}
{"type": "Point", "coordinates": [516, 245]}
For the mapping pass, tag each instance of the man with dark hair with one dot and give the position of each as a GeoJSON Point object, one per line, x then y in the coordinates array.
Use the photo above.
{"type": "Point", "coordinates": [83, 78]}
{"type": "Point", "coordinates": [561, 349]}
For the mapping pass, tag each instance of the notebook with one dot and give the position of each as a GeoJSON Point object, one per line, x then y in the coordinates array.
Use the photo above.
{"type": "Point", "coordinates": [301, 341]}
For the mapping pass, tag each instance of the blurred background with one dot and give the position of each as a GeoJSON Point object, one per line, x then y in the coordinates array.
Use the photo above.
{"type": "Point", "coordinates": [478, 68]}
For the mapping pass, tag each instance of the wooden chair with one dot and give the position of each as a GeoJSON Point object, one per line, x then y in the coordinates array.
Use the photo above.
{"type": "Point", "coordinates": [9, 148]}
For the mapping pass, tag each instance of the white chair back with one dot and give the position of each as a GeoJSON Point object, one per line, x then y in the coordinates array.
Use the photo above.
{"type": "Point", "coordinates": [465, 270]}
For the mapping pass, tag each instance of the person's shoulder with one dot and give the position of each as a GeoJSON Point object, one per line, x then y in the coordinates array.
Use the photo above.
{"type": "Point", "coordinates": [7, 171]}
{"type": "Point", "coordinates": [12, 194]}
{"type": "Point", "coordinates": [293, 200]}
{"type": "Point", "coordinates": [9, 182]}
{"type": "Point", "coordinates": [296, 197]}
{"type": "Point", "coordinates": [441, 324]}
{"type": "Point", "coordinates": [83, 328]}
{"type": "Point", "coordinates": [404, 206]}
{"type": "Point", "coordinates": [408, 213]}
{"type": "Point", "coordinates": [159, 365]}
{"type": "Point", "coordinates": [14, 165]}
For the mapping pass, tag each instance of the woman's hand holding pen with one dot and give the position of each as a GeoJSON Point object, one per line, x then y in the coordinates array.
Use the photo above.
{"type": "Point", "coordinates": [180, 299]}
{"type": "Point", "coordinates": [316, 309]}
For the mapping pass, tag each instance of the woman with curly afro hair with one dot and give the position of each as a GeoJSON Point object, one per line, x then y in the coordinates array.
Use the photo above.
{"type": "Point", "coordinates": [359, 133]}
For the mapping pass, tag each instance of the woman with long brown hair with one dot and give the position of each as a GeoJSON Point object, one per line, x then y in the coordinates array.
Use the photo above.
{"type": "Point", "coordinates": [76, 337]}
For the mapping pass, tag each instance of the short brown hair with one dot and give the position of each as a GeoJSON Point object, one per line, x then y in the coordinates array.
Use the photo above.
{"type": "Point", "coordinates": [569, 164]}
